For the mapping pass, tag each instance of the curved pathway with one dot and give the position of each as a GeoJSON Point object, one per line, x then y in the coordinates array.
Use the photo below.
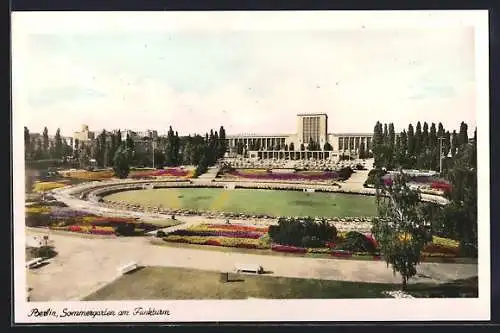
{"type": "Point", "coordinates": [85, 264]}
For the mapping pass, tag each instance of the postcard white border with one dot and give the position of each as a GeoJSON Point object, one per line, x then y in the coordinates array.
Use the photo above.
{"type": "Point", "coordinates": [24, 23]}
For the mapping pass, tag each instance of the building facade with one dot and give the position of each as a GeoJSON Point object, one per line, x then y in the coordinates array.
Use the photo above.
{"type": "Point", "coordinates": [83, 136]}
{"type": "Point", "coordinates": [310, 126]}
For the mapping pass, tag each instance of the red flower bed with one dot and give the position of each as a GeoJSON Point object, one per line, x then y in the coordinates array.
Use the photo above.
{"type": "Point", "coordinates": [436, 248]}
{"type": "Point", "coordinates": [101, 232]}
{"type": "Point", "coordinates": [75, 228]}
{"type": "Point", "coordinates": [331, 245]}
{"type": "Point", "coordinates": [112, 220]}
{"type": "Point", "coordinates": [441, 185]}
{"type": "Point", "coordinates": [289, 249]}
{"type": "Point", "coordinates": [372, 239]}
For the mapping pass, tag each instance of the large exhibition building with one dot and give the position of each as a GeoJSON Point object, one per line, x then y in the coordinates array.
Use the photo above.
{"type": "Point", "coordinates": [311, 127]}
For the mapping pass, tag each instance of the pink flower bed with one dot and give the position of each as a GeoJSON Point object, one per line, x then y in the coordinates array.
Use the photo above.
{"type": "Point", "coordinates": [327, 175]}
{"type": "Point", "coordinates": [287, 248]}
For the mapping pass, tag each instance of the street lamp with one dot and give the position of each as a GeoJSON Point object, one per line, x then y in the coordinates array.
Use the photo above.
{"type": "Point", "coordinates": [440, 154]}
{"type": "Point", "coordinates": [153, 150]}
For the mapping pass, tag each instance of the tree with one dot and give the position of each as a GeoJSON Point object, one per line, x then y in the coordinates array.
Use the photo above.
{"type": "Point", "coordinates": [328, 147]}
{"type": "Point", "coordinates": [462, 212]}
{"type": "Point", "coordinates": [58, 147]}
{"type": "Point", "coordinates": [390, 147]}
{"type": "Point", "coordinates": [45, 137]}
{"type": "Point", "coordinates": [129, 143]}
{"type": "Point", "coordinates": [462, 135]}
{"type": "Point", "coordinates": [378, 142]}
{"type": "Point", "coordinates": [121, 162]}
{"type": "Point", "coordinates": [400, 227]}
{"type": "Point", "coordinates": [84, 156]}
{"type": "Point", "coordinates": [418, 139]}
{"type": "Point", "coordinates": [311, 145]}
{"type": "Point", "coordinates": [362, 150]}
{"type": "Point", "coordinates": [223, 142]}
{"type": "Point", "coordinates": [411, 142]}
{"type": "Point", "coordinates": [291, 147]}
{"type": "Point", "coordinates": [425, 136]}
{"type": "Point", "coordinates": [302, 147]}
{"type": "Point", "coordinates": [27, 144]}
{"type": "Point", "coordinates": [455, 143]}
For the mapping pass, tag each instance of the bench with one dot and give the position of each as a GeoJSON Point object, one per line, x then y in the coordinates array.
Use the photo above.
{"type": "Point", "coordinates": [34, 263]}
{"type": "Point", "coordinates": [128, 268]}
{"type": "Point", "coordinates": [249, 268]}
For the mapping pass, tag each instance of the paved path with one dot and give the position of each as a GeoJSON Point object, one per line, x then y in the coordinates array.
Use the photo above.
{"type": "Point", "coordinates": [84, 264]}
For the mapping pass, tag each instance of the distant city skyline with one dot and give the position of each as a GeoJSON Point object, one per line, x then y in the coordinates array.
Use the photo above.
{"type": "Point", "coordinates": [246, 81]}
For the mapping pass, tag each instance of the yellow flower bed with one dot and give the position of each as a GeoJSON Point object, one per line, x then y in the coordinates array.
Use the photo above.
{"type": "Point", "coordinates": [220, 241]}
{"type": "Point", "coordinates": [46, 186]}
{"type": "Point", "coordinates": [37, 210]}
{"type": "Point", "coordinates": [445, 242]}
{"type": "Point", "coordinates": [89, 175]}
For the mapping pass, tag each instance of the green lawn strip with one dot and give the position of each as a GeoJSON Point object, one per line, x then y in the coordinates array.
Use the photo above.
{"type": "Point", "coordinates": [458, 288]}
{"type": "Point", "coordinates": [151, 283]}
{"type": "Point", "coordinates": [163, 223]}
{"type": "Point", "coordinates": [255, 201]}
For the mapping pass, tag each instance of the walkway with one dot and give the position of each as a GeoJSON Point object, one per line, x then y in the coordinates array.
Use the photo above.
{"type": "Point", "coordinates": [84, 264]}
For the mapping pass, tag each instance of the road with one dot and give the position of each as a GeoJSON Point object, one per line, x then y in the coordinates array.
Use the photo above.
{"type": "Point", "coordinates": [86, 264]}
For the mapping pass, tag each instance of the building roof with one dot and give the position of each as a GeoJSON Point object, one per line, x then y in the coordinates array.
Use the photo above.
{"type": "Point", "coordinates": [254, 135]}
{"type": "Point", "coordinates": [351, 134]}
{"type": "Point", "coordinates": [311, 114]}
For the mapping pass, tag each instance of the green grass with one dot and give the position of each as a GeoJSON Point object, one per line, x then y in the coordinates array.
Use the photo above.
{"type": "Point", "coordinates": [153, 283]}
{"type": "Point", "coordinates": [163, 223]}
{"type": "Point", "coordinates": [254, 201]}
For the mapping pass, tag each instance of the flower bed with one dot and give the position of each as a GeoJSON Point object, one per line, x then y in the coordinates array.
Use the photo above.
{"type": "Point", "coordinates": [47, 186]}
{"type": "Point", "coordinates": [68, 219]}
{"type": "Point", "coordinates": [170, 172]}
{"type": "Point", "coordinates": [236, 227]}
{"type": "Point", "coordinates": [285, 176]}
{"type": "Point", "coordinates": [87, 229]}
{"type": "Point", "coordinates": [215, 241]}
{"type": "Point", "coordinates": [88, 175]}
{"type": "Point", "coordinates": [288, 248]}
{"type": "Point", "coordinates": [216, 233]}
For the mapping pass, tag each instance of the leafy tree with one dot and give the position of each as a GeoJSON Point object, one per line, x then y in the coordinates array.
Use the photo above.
{"type": "Point", "coordinates": [328, 147]}
{"type": "Point", "coordinates": [362, 152]}
{"type": "Point", "coordinates": [462, 135]}
{"type": "Point", "coordinates": [418, 139]}
{"type": "Point", "coordinates": [27, 144]}
{"type": "Point", "coordinates": [425, 136]}
{"type": "Point", "coordinates": [45, 137]}
{"type": "Point", "coordinates": [58, 148]}
{"type": "Point", "coordinates": [121, 162]}
{"type": "Point", "coordinates": [291, 147]}
{"type": "Point", "coordinates": [400, 227]}
{"type": "Point", "coordinates": [302, 147]}
{"type": "Point", "coordinates": [433, 136]}
{"type": "Point", "coordinates": [223, 142]}
{"type": "Point", "coordinates": [378, 142]}
{"type": "Point", "coordinates": [462, 212]}
{"type": "Point", "coordinates": [454, 143]}
{"type": "Point", "coordinates": [84, 156]}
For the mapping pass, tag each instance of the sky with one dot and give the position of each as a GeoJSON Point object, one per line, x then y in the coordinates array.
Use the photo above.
{"type": "Point", "coordinates": [252, 81]}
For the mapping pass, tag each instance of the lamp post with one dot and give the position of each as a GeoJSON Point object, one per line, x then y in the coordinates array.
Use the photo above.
{"type": "Point", "coordinates": [153, 151]}
{"type": "Point", "coordinates": [440, 155]}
